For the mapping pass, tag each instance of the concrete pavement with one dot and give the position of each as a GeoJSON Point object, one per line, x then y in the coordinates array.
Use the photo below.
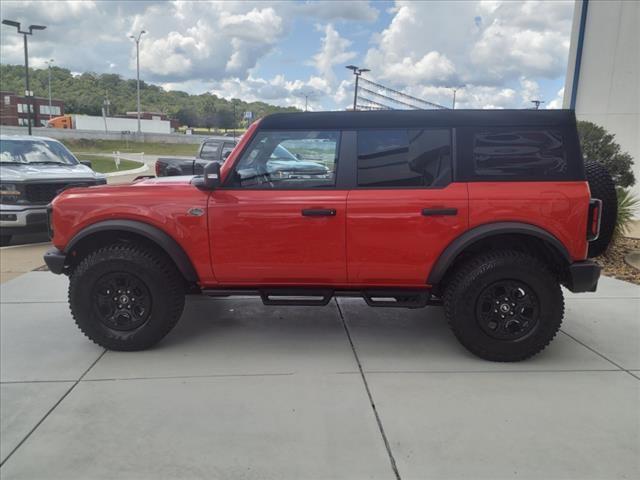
{"type": "Point", "coordinates": [240, 390]}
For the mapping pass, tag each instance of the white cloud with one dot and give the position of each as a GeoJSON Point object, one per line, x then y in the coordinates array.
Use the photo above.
{"type": "Point", "coordinates": [332, 10]}
{"type": "Point", "coordinates": [334, 51]}
{"type": "Point", "coordinates": [557, 102]}
{"type": "Point", "coordinates": [529, 90]}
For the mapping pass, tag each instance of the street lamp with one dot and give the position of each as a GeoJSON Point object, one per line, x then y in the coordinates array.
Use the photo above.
{"type": "Point", "coordinates": [357, 72]}
{"type": "Point", "coordinates": [27, 92]}
{"type": "Point", "coordinates": [137, 40]}
{"type": "Point", "coordinates": [49, 63]}
{"type": "Point", "coordinates": [307, 96]}
{"type": "Point", "coordinates": [455, 89]}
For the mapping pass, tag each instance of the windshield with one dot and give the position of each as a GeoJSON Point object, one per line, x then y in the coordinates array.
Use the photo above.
{"type": "Point", "coordinates": [35, 152]}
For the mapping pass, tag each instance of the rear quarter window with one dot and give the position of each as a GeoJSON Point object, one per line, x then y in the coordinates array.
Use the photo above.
{"type": "Point", "coordinates": [518, 154]}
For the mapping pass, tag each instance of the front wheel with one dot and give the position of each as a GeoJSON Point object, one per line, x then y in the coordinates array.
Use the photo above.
{"type": "Point", "coordinates": [504, 306]}
{"type": "Point", "coordinates": [125, 296]}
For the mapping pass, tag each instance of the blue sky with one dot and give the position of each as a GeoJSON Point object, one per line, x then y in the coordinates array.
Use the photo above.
{"type": "Point", "coordinates": [501, 54]}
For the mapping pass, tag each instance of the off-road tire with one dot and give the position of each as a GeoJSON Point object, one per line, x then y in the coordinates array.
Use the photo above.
{"type": "Point", "coordinates": [602, 187]}
{"type": "Point", "coordinates": [470, 279]}
{"type": "Point", "coordinates": [154, 270]}
{"type": "Point", "coordinates": [5, 240]}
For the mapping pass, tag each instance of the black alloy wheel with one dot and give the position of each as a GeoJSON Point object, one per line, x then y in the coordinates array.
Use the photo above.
{"type": "Point", "coordinates": [507, 310]}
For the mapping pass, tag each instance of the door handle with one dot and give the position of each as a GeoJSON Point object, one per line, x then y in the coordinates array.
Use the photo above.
{"type": "Point", "coordinates": [318, 212]}
{"type": "Point", "coordinates": [433, 212]}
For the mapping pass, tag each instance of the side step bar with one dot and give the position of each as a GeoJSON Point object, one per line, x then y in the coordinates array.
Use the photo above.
{"type": "Point", "coordinates": [402, 298]}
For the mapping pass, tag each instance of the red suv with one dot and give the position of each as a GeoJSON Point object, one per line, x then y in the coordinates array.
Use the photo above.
{"type": "Point", "coordinates": [487, 213]}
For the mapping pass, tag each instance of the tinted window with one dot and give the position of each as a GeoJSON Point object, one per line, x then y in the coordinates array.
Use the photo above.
{"type": "Point", "coordinates": [295, 159]}
{"type": "Point", "coordinates": [403, 158]}
{"type": "Point", "coordinates": [210, 150]}
{"type": "Point", "coordinates": [519, 152]}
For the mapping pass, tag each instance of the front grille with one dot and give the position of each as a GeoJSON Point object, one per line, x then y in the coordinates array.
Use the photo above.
{"type": "Point", "coordinates": [45, 192]}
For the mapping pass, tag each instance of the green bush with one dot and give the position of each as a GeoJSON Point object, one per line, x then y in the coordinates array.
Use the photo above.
{"type": "Point", "coordinates": [627, 206]}
{"type": "Point", "coordinates": [599, 145]}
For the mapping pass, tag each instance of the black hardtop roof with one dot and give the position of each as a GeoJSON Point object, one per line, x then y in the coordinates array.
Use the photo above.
{"type": "Point", "coordinates": [417, 118]}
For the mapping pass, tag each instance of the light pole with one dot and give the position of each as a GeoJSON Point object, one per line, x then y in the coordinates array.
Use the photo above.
{"type": "Point", "coordinates": [26, 62]}
{"type": "Point", "coordinates": [49, 62]}
{"type": "Point", "coordinates": [307, 96]}
{"type": "Point", "coordinates": [357, 72]}
{"type": "Point", "coordinates": [453, 106]}
{"type": "Point", "coordinates": [537, 103]}
{"type": "Point", "coordinates": [137, 40]}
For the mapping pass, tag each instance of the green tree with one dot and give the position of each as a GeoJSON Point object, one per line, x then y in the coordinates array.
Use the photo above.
{"type": "Point", "coordinates": [600, 146]}
{"type": "Point", "coordinates": [85, 94]}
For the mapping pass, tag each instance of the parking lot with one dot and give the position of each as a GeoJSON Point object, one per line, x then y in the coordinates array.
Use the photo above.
{"type": "Point", "coordinates": [240, 390]}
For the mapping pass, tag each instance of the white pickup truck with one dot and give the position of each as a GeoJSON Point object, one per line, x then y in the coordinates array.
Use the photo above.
{"type": "Point", "coordinates": [33, 170]}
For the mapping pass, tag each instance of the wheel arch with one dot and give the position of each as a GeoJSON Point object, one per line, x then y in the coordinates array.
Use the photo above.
{"type": "Point", "coordinates": [488, 234]}
{"type": "Point", "coordinates": [110, 229]}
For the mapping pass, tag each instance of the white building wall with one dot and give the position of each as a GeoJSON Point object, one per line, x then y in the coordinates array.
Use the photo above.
{"type": "Point", "coordinates": [608, 90]}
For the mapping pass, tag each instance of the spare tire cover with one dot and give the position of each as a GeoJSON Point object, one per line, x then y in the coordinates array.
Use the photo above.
{"type": "Point", "coordinates": [602, 187]}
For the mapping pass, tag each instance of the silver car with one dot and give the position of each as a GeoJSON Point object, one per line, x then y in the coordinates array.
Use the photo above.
{"type": "Point", "coordinates": [33, 170]}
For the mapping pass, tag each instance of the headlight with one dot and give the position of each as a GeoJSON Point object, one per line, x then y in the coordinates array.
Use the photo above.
{"type": "Point", "coordinates": [9, 193]}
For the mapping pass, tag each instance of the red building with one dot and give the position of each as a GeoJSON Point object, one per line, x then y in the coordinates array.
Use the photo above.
{"type": "Point", "coordinates": [13, 110]}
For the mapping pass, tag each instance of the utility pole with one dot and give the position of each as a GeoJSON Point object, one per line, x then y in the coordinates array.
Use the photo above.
{"type": "Point", "coordinates": [28, 93]}
{"type": "Point", "coordinates": [357, 72]}
{"type": "Point", "coordinates": [49, 62]}
{"type": "Point", "coordinates": [453, 106]}
{"type": "Point", "coordinates": [137, 40]}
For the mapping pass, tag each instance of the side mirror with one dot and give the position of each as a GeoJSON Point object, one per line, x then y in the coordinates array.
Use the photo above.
{"type": "Point", "coordinates": [226, 154]}
{"type": "Point", "coordinates": [210, 177]}
{"type": "Point", "coordinates": [86, 163]}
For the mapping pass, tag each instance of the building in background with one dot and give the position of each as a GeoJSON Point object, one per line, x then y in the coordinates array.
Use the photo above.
{"type": "Point", "coordinates": [13, 110]}
{"type": "Point", "coordinates": [603, 81]}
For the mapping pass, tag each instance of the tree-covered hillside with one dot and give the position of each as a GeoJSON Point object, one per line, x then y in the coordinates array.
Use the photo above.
{"type": "Point", "coordinates": [86, 93]}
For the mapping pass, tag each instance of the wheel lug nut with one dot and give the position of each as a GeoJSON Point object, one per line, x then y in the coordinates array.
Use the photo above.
{"type": "Point", "coordinates": [497, 302]}
{"type": "Point", "coordinates": [502, 316]}
{"type": "Point", "coordinates": [115, 298]}
{"type": "Point", "coordinates": [495, 311]}
{"type": "Point", "coordinates": [510, 313]}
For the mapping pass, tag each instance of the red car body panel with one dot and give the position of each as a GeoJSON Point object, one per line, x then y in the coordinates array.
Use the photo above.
{"type": "Point", "coordinates": [163, 203]}
{"type": "Point", "coordinates": [261, 237]}
{"type": "Point", "coordinates": [390, 242]}
{"type": "Point", "coordinates": [560, 208]}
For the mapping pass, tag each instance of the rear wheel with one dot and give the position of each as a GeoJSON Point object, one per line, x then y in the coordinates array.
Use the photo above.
{"type": "Point", "coordinates": [602, 187]}
{"type": "Point", "coordinates": [504, 306]}
{"type": "Point", "coordinates": [126, 297]}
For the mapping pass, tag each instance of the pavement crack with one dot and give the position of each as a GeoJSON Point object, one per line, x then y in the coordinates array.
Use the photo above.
{"type": "Point", "coordinates": [70, 389]}
{"type": "Point", "coordinates": [392, 460]}
{"type": "Point", "coordinates": [620, 367]}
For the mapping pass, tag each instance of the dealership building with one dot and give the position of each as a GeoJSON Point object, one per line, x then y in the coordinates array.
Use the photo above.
{"type": "Point", "coordinates": [603, 81]}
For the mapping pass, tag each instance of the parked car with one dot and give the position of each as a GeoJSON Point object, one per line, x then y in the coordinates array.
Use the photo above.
{"type": "Point", "coordinates": [487, 213]}
{"type": "Point", "coordinates": [281, 161]}
{"type": "Point", "coordinates": [211, 150]}
{"type": "Point", "coordinates": [33, 170]}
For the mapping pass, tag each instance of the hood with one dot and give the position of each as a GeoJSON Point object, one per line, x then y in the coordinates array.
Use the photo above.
{"type": "Point", "coordinates": [28, 172]}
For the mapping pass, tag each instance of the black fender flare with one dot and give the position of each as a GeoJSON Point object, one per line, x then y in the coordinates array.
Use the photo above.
{"type": "Point", "coordinates": [457, 246]}
{"type": "Point", "coordinates": [156, 235]}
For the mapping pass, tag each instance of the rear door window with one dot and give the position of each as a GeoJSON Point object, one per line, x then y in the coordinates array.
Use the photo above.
{"type": "Point", "coordinates": [519, 152]}
{"type": "Point", "coordinates": [404, 158]}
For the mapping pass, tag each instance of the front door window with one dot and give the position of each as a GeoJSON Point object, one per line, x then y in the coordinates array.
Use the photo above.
{"type": "Point", "coordinates": [293, 159]}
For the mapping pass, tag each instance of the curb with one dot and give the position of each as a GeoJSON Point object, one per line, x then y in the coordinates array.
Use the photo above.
{"type": "Point", "coordinates": [120, 173]}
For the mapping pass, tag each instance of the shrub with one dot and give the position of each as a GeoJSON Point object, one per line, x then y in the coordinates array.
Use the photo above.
{"type": "Point", "coordinates": [627, 205]}
{"type": "Point", "coordinates": [600, 146]}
